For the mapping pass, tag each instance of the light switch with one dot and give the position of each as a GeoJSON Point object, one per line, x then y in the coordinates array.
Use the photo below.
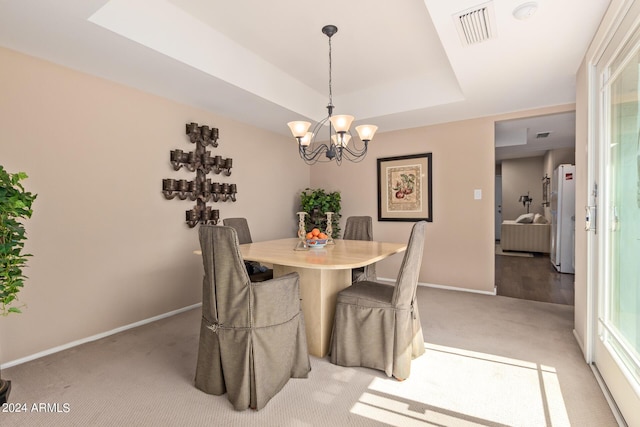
{"type": "Point", "coordinates": [477, 194]}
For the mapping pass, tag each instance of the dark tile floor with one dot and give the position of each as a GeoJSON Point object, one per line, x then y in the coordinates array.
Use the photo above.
{"type": "Point", "coordinates": [533, 279]}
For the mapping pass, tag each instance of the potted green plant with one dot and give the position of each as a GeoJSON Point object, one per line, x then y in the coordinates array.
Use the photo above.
{"type": "Point", "coordinates": [316, 203]}
{"type": "Point", "coordinates": [15, 206]}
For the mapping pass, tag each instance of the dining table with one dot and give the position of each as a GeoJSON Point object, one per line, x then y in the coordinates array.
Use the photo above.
{"type": "Point", "coordinates": [323, 272]}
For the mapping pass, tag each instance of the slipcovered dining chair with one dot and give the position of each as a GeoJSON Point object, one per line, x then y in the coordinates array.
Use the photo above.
{"type": "Point", "coordinates": [377, 325]}
{"type": "Point", "coordinates": [257, 272]}
{"type": "Point", "coordinates": [360, 228]}
{"type": "Point", "coordinates": [252, 335]}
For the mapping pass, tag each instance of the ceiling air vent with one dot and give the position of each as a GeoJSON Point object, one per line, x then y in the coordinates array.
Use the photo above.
{"type": "Point", "coordinates": [476, 25]}
{"type": "Point", "coordinates": [540, 135]}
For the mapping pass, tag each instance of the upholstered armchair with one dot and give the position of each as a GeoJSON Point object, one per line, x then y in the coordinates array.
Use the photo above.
{"type": "Point", "coordinates": [360, 228]}
{"type": "Point", "coordinates": [377, 325]}
{"type": "Point", "coordinates": [252, 335]}
{"type": "Point", "coordinates": [257, 273]}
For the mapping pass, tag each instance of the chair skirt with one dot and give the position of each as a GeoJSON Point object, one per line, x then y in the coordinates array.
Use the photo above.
{"type": "Point", "coordinates": [247, 365]}
{"type": "Point", "coordinates": [368, 331]}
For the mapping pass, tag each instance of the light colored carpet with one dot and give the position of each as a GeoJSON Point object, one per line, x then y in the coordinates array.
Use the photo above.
{"type": "Point", "coordinates": [490, 361]}
{"type": "Point", "coordinates": [499, 251]}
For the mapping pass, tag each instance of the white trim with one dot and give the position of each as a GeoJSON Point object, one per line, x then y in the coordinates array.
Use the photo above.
{"type": "Point", "coordinates": [607, 395]}
{"type": "Point", "coordinates": [96, 337]}
{"type": "Point", "coordinates": [178, 311]}
{"type": "Point", "coordinates": [614, 15]}
{"type": "Point", "coordinates": [453, 288]}
{"type": "Point", "coordinates": [449, 288]}
{"type": "Point", "coordinates": [581, 345]}
{"type": "Point", "coordinates": [591, 309]}
{"type": "Point", "coordinates": [622, 24]}
{"type": "Point", "coordinates": [602, 38]}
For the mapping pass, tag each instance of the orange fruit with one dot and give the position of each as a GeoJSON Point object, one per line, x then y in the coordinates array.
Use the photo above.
{"type": "Point", "coordinates": [315, 231]}
{"type": "Point", "coordinates": [309, 235]}
{"type": "Point", "coordinates": [322, 236]}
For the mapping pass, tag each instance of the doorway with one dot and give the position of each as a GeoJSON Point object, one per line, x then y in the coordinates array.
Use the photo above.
{"type": "Point", "coordinates": [527, 151]}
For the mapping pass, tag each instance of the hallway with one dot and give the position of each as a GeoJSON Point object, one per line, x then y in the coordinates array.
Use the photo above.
{"type": "Point", "coordinates": [533, 279]}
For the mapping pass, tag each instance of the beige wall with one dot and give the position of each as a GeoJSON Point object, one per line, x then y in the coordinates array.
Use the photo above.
{"type": "Point", "coordinates": [459, 248]}
{"type": "Point", "coordinates": [108, 249]}
{"type": "Point", "coordinates": [519, 177]}
{"type": "Point", "coordinates": [460, 234]}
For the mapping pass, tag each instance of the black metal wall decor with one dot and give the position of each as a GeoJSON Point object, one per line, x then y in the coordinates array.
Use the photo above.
{"type": "Point", "coordinates": [201, 190]}
{"type": "Point", "coordinates": [546, 182]}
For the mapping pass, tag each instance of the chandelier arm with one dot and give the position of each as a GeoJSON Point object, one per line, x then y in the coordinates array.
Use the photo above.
{"type": "Point", "coordinates": [312, 155]}
{"type": "Point", "coordinates": [319, 126]}
{"type": "Point", "coordinates": [351, 158]}
{"type": "Point", "coordinates": [314, 161]}
{"type": "Point", "coordinates": [355, 159]}
{"type": "Point", "coordinates": [356, 153]}
{"type": "Point", "coordinates": [358, 142]}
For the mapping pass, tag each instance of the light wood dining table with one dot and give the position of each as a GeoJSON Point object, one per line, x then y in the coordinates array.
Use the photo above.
{"type": "Point", "coordinates": [323, 273]}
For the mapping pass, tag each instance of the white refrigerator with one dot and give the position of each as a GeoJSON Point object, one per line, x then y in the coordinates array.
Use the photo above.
{"type": "Point", "coordinates": [563, 218]}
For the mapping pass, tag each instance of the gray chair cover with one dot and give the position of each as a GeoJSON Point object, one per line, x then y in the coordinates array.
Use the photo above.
{"type": "Point", "coordinates": [242, 228]}
{"type": "Point", "coordinates": [378, 325]}
{"type": "Point", "coordinates": [244, 236]}
{"type": "Point", "coordinates": [252, 336]}
{"type": "Point", "coordinates": [360, 228]}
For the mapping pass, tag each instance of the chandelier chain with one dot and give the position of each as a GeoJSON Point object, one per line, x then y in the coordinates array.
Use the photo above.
{"type": "Point", "coordinates": [330, 90]}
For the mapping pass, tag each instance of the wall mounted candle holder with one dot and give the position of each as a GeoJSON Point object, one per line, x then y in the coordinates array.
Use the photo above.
{"type": "Point", "coordinates": [201, 190]}
{"type": "Point", "coordinates": [196, 190]}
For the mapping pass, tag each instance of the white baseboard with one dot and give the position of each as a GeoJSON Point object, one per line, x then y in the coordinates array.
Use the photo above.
{"type": "Point", "coordinates": [96, 337]}
{"type": "Point", "coordinates": [581, 345]}
{"type": "Point", "coordinates": [178, 311]}
{"type": "Point", "coordinates": [448, 288]}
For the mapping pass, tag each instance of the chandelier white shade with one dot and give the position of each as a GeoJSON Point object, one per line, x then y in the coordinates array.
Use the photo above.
{"type": "Point", "coordinates": [339, 135]}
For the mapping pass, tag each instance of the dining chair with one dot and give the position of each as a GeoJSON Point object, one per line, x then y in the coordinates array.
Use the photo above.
{"type": "Point", "coordinates": [377, 325]}
{"type": "Point", "coordinates": [257, 272]}
{"type": "Point", "coordinates": [252, 335]}
{"type": "Point", "coordinates": [360, 228]}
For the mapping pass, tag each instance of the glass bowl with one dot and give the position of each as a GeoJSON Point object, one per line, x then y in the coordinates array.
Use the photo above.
{"type": "Point", "coordinates": [316, 243]}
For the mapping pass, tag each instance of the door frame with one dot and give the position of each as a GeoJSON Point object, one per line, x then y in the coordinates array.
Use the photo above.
{"type": "Point", "coordinates": [624, 22]}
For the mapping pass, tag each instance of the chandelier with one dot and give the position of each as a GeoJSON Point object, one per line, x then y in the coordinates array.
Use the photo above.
{"type": "Point", "coordinates": [339, 136]}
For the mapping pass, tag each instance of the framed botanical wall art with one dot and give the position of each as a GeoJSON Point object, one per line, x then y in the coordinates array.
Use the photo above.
{"type": "Point", "coordinates": [404, 188]}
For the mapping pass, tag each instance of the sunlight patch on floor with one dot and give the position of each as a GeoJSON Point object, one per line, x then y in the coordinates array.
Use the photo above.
{"type": "Point", "coordinates": [450, 386]}
{"type": "Point", "coordinates": [394, 412]}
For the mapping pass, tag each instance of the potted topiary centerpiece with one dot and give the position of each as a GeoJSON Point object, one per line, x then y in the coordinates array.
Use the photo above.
{"type": "Point", "coordinates": [316, 203]}
{"type": "Point", "coordinates": [15, 205]}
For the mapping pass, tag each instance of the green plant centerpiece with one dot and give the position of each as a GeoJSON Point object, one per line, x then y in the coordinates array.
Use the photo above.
{"type": "Point", "coordinates": [15, 206]}
{"type": "Point", "coordinates": [316, 203]}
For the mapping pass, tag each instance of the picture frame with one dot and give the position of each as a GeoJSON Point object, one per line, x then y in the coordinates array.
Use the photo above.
{"type": "Point", "coordinates": [405, 188]}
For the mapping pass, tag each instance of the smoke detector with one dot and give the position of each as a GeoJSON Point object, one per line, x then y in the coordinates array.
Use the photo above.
{"type": "Point", "coordinates": [477, 24]}
{"type": "Point", "coordinates": [525, 10]}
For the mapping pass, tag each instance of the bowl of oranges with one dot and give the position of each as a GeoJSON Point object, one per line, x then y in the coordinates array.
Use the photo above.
{"type": "Point", "coordinates": [316, 239]}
